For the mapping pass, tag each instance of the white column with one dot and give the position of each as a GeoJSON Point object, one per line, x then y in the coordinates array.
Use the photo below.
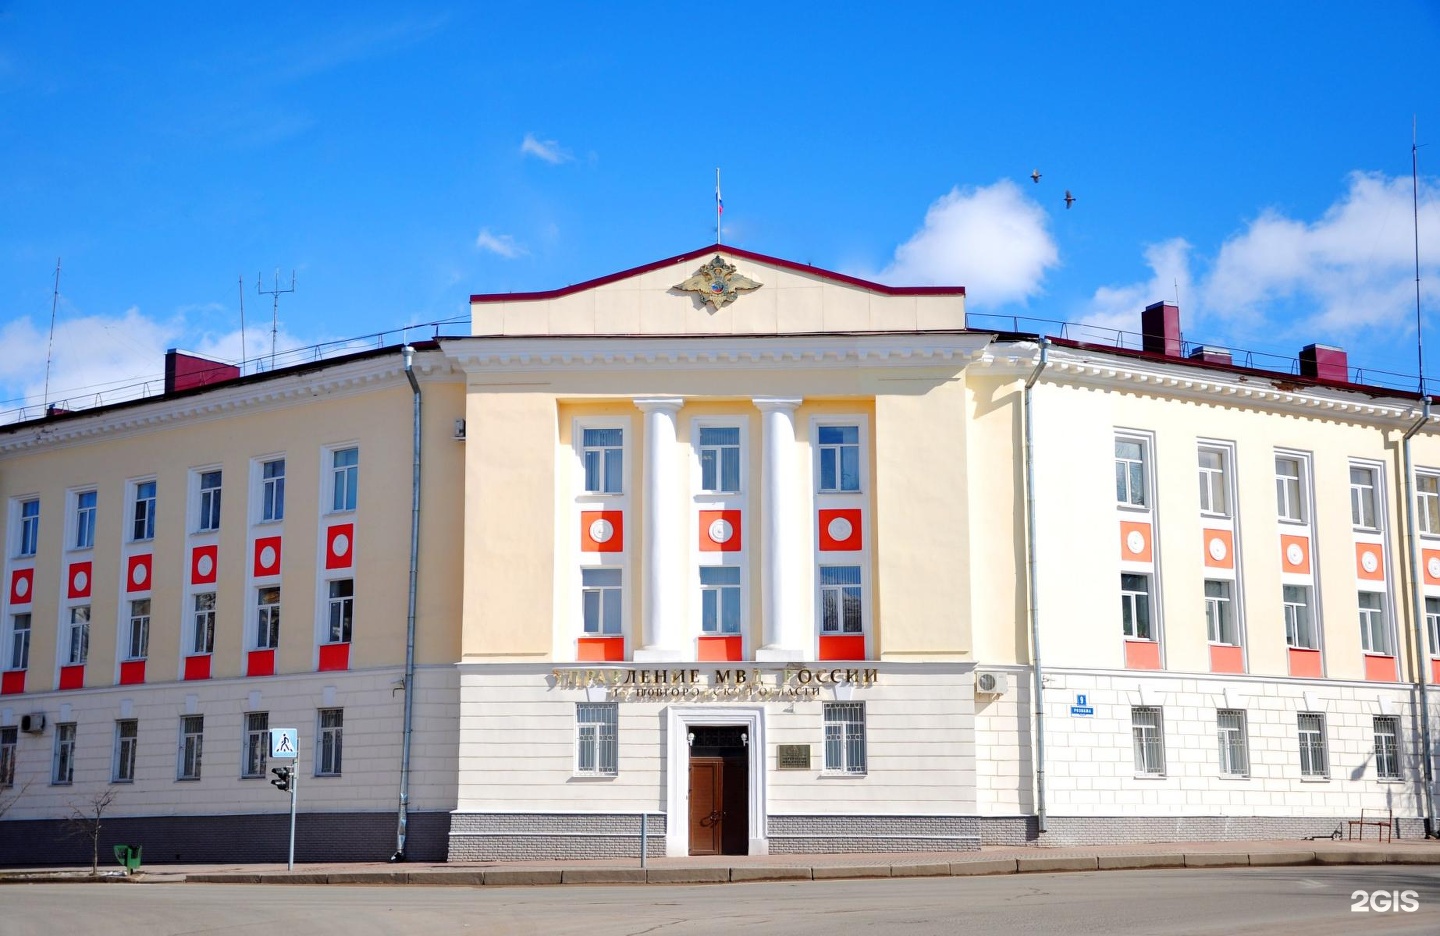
{"type": "Point", "coordinates": [662, 557]}
{"type": "Point", "coordinates": [782, 562]}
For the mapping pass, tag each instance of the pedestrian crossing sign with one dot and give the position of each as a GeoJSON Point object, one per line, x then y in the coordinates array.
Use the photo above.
{"type": "Point", "coordinates": [284, 742]}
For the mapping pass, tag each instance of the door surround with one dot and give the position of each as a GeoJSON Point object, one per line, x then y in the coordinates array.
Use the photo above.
{"type": "Point", "coordinates": [678, 720]}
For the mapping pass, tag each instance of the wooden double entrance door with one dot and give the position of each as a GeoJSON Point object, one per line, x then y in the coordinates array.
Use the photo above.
{"type": "Point", "coordinates": [719, 790]}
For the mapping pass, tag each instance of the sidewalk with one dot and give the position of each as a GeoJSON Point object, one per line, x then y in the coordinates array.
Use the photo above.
{"type": "Point", "coordinates": [738, 868]}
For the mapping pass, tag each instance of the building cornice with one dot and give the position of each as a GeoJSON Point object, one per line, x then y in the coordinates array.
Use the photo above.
{"type": "Point", "coordinates": [715, 352]}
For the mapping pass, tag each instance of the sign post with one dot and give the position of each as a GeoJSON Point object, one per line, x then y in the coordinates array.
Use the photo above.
{"type": "Point", "coordinates": [285, 743]}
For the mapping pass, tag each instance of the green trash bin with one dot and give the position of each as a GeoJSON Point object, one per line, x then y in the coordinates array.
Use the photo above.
{"type": "Point", "coordinates": [129, 856]}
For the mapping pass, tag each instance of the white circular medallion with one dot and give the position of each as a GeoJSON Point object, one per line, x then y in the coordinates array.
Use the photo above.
{"type": "Point", "coordinates": [138, 574]}
{"type": "Point", "coordinates": [267, 557]}
{"type": "Point", "coordinates": [1434, 566]}
{"type": "Point", "coordinates": [721, 531]}
{"type": "Point", "coordinates": [601, 531]}
{"type": "Point", "coordinates": [1135, 542]}
{"type": "Point", "coordinates": [22, 586]}
{"type": "Point", "coordinates": [81, 580]}
{"type": "Point", "coordinates": [342, 544]}
{"type": "Point", "coordinates": [1368, 562]}
{"type": "Point", "coordinates": [205, 565]}
{"type": "Point", "coordinates": [1218, 551]}
{"type": "Point", "coordinates": [839, 529]}
{"type": "Point", "coordinates": [1294, 554]}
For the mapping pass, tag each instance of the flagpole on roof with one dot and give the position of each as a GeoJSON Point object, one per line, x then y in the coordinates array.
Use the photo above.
{"type": "Point", "coordinates": [719, 205]}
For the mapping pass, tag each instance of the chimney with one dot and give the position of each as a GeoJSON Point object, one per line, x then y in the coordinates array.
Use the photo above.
{"type": "Point", "coordinates": [1322, 362]}
{"type": "Point", "coordinates": [1160, 329]}
{"type": "Point", "coordinates": [184, 370]}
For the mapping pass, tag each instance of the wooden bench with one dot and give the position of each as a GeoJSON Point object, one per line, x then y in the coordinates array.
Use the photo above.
{"type": "Point", "coordinates": [1382, 819]}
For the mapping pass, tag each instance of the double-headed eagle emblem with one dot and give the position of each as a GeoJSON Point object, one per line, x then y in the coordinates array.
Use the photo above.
{"type": "Point", "coordinates": [717, 283]}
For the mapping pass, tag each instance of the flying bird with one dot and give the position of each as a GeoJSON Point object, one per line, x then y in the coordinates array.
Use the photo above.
{"type": "Point", "coordinates": [1035, 176]}
{"type": "Point", "coordinates": [1069, 199]}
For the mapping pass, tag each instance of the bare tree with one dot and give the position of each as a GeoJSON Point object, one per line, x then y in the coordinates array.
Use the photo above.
{"type": "Point", "coordinates": [85, 819]}
{"type": "Point", "coordinates": [10, 798]}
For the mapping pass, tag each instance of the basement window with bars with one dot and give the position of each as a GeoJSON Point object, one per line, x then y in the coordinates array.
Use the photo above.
{"type": "Point", "coordinates": [1147, 725]}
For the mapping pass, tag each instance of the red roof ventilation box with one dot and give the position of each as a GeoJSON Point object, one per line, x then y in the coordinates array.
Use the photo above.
{"type": "Point", "coordinates": [1160, 329]}
{"type": "Point", "coordinates": [1322, 362]}
{"type": "Point", "coordinates": [184, 371]}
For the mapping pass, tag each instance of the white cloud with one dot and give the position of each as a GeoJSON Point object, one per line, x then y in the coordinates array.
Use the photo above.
{"type": "Point", "coordinates": [502, 244]}
{"type": "Point", "coordinates": [993, 240]}
{"type": "Point", "coordinates": [547, 150]}
{"type": "Point", "coordinates": [1116, 309]}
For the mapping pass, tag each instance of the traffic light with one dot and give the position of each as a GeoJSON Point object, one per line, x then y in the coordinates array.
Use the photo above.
{"type": "Point", "coordinates": [282, 779]}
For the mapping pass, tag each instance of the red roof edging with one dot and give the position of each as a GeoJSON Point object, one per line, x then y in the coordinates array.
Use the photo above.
{"type": "Point", "coordinates": [721, 248]}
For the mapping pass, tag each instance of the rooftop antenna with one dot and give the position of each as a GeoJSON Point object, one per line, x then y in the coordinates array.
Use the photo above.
{"type": "Point", "coordinates": [719, 205]}
{"type": "Point", "coordinates": [50, 350]}
{"type": "Point", "coordinates": [241, 282]}
{"type": "Point", "coordinates": [1415, 208]}
{"type": "Point", "coordinates": [275, 306]}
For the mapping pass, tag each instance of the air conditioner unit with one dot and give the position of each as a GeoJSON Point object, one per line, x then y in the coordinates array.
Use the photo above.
{"type": "Point", "coordinates": [992, 683]}
{"type": "Point", "coordinates": [459, 435]}
{"type": "Point", "coordinates": [33, 724]}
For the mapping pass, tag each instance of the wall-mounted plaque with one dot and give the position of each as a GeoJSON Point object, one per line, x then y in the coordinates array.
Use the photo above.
{"type": "Point", "coordinates": [793, 756]}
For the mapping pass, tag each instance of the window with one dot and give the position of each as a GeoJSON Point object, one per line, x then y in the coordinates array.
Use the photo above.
{"type": "Point", "coordinates": [204, 641]}
{"type": "Point", "coordinates": [845, 737]}
{"type": "Point", "coordinates": [20, 641]}
{"type": "Point", "coordinates": [29, 527]}
{"type": "Point", "coordinates": [192, 741]}
{"type": "Point", "coordinates": [596, 746]}
{"type": "Point", "coordinates": [1289, 491]}
{"type": "Point", "coordinates": [1147, 726]}
{"type": "Point", "coordinates": [1214, 497]}
{"type": "Point", "coordinates": [257, 743]}
{"type": "Point", "coordinates": [1220, 614]}
{"type": "Point", "coordinates": [1362, 497]}
{"type": "Point", "coordinates": [1427, 497]}
{"type": "Point", "coordinates": [126, 737]}
{"type": "Point", "coordinates": [1299, 624]}
{"type": "Point", "coordinates": [1135, 606]}
{"type": "Point", "coordinates": [1313, 761]}
{"type": "Point", "coordinates": [64, 763]}
{"type": "Point", "coordinates": [1234, 743]}
{"type": "Point", "coordinates": [841, 610]}
{"type": "Point", "coordinates": [139, 643]}
{"type": "Point", "coordinates": [1374, 635]}
{"type": "Point", "coordinates": [267, 618]}
{"type": "Point", "coordinates": [600, 595]}
{"type": "Point", "coordinates": [1130, 472]}
{"type": "Point", "coordinates": [720, 599]}
{"type": "Point", "coordinates": [720, 459]}
{"type": "Point", "coordinates": [1387, 749]}
{"type": "Point", "coordinates": [85, 503]}
{"type": "Point", "coordinates": [327, 757]}
{"type": "Point", "coordinates": [272, 490]}
{"type": "Point", "coordinates": [209, 501]}
{"type": "Point", "coordinates": [344, 478]}
{"type": "Point", "coordinates": [9, 737]}
{"type": "Point", "coordinates": [603, 451]}
{"type": "Point", "coordinates": [143, 525]}
{"type": "Point", "coordinates": [342, 610]}
{"type": "Point", "coordinates": [1432, 624]}
{"type": "Point", "coordinates": [839, 458]}
{"type": "Point", "coordinates": [79, 634]}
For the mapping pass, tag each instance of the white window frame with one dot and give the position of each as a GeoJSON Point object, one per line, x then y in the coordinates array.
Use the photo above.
{"type": "Point", "coordinates": [1432, 623]}
{"type": "Point", "coordinates": [725, 593]}
{"type": "Point", "coordinates": [83, 518]}
{"type": "Point", "coordinates": [718, 490]}
{"type": "Point", "coordinates": [266, 635]}
{"type": "Point", "coordinates": [127, 741]}
{"type": "Point", "coordinates": [846, 749]}
{"type": "Point", "coordinates": [1214, 482]}
{"type": "Point", "coordinates": [1427, 502]}
{"type": "Point", "coordinates": [1311, 733]}
{"type": "Point", "coordinates": [62, 765]}
{"type": "Point", "coordinates": [192, 747]}
{"type": "Point", "coordinates": [140, 518]}
{"type": "Point", "coordinates": [255, 746]}
{"type": "Point", "coordinates": [344, 607]}
{"type": "Point", "coordinates": [1365, 497]}
{"type": "Point", "coordinates": [597, 739]}
{"type": "Point", "coordinates": [578, 427]}
{"type": "Point", "coordinates": [329, 742]}
{"type": "Point", "coordinates": [1374, 623]}
{"type": "Point", "coordinates": [861, 425]}
{"type": "Point", "coordinates": [1232, 732]}
{"type": "Point", "coordinates": [601, 590]}
{"type": "Point", "coordinates": [77, 635]}
{"type": "Point", "coordinates": [137, 626]}
{"type": "Point", "coordinates": [1130, 603]}
{"type": "Point", "coordinates": [1147, 730]}
{"type": "Point", "coordinates": [269, 492]}
{"type": "Point", "coordinates": [343, 481]}
{"type": "Point", "coordinates": [1387, 753]}
{"type": "Point", "coordinates": [27, 528]}
{"type": "Point", "coordinates": [1220, 613]}
{"type": "Point", "coordinates": [825, 590]}
{"type": "Point", "coordinates": [207, 501]}
{"type": "Point", "coordinates": [202, 618]}
{"type": "Point", "coordinates": [18, 650]}
{"type": "Point", "coordinates": [1292, 505]}
{"type": "Point", "coordinates": [1292, 618]}
{"type": "Point", "coordinates": [1125, 488]}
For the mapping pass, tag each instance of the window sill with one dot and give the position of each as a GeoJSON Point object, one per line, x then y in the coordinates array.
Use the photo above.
{"type": "Point", "coordinates": [1132, 508]}
{"type": "Point", "coordinates": [1150, 776]}
{"type": "Point", "coordinates": [327, 776]}
{"type": "Point", "coordinates": [593, 778]}
{"type": "Point", "coordinates": [1390, 780]}
{"type": "Point", "coordinates": [1233, 776]}
{"type": "Point", "coordinates": [1290, 521]}
{"type": "Point", "coordinates": [274, 521]}
{"type": "Point", "coordinates": [1314, 779]}
{"type": "Point", "coordinates": [843, 775]}
{"type": "Point", "coordinates": [1212, 515]}
{"type": "Point", "coordinates": [123, 782]}
{"type": "Point", "coordinates": [187, 779]}
{"type": "Point", "coordinates": [346, 512]}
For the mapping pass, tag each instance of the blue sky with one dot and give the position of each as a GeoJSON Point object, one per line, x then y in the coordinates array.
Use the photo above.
{"type": "Point", "coordinates": [1257, 155]}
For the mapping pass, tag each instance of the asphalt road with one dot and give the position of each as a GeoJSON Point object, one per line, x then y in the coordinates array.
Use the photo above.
{"type": "Point", "coordinates": [1306, 901]}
